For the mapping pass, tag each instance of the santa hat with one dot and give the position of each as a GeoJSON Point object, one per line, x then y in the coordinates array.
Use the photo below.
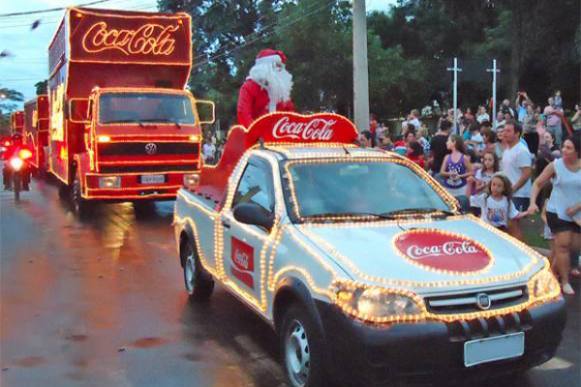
{"type": "Point", "coordinates": [269, 55]}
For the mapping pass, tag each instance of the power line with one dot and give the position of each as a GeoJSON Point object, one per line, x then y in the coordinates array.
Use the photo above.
{"type": "Point", "coordinates": [50, 9]}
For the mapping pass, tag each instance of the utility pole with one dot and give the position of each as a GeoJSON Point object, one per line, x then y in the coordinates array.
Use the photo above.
{"type": "Point", "coordinates": [493, 70]}
{"type": "Point", "coordinates": [360, 67]}
{"type": "Point", "coordinates": [456, 70]}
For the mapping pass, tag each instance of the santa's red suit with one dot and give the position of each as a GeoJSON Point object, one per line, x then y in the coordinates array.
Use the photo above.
{"type": "Point", "coordinates": [257, 95]}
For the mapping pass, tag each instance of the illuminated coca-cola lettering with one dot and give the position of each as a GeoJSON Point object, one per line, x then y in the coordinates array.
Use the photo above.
{"type": "Point", "coordinates": [448, 248]}
{"type": "Point", "coordinates": [318, 129]}
{"type": "Point", "coordinates": [442, 250]}
{"type": "Point", "coordinates": [149, 39]}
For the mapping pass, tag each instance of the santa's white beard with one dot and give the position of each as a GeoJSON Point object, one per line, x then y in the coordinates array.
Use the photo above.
{"type": "Point", "coordinates": [278, 83]}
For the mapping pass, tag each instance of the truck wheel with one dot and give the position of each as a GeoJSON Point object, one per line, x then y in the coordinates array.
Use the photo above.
{"type": "Point", "coordinates": [302, 348]}
{"type": "Point", "coordinates": [81, 207]}
{"type": "Point", "coordinates": [199, 283]}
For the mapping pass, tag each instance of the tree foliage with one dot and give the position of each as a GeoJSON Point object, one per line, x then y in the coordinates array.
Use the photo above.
{"type": "Point", "coordinates": [537, 44]}
{"type": "Point", "coordinates": [9, 100]}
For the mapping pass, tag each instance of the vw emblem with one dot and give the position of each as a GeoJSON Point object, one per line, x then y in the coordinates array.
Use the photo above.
{"type": "Point", "coordinates": [483, 301]}
{"type": "Point", "coordinates": [151, 148]}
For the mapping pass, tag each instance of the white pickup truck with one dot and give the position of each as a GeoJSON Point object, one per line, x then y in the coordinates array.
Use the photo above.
{"type": "Point", "coordinates": [361, 262]}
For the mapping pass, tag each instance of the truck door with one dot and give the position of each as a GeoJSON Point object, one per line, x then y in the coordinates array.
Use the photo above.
{"type": "Point", "coordinates": [242, 242]}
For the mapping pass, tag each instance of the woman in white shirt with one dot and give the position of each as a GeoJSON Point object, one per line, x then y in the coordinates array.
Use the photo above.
{"type": "Point", "coordinates": [563, 207]}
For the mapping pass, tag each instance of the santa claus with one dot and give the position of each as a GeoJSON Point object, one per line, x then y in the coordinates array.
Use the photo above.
{"type": "Point", "coordinates": [266, 89]}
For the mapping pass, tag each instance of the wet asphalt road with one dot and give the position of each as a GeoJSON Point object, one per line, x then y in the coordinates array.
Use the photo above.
{"type": "Point", "coordinates": [101, 303]}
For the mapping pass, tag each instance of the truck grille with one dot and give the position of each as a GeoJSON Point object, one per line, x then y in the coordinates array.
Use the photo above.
{"type": "Point", "coordinates": [462, 330]}
{"type": "Point", "coordinates": [468, 302]}
{"type": "Point", "coordinates": [139, 148]}
{"type": "Point", "coordinates": [148, 168]}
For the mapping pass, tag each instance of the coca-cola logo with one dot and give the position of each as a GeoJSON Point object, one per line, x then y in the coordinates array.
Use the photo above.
{"type": "Point", "coordinates": [242, 256]}
{"type": "Point", "coordinates": [241, 260]}
{"type": "Point", "coordinates": [149, 39]}
{"type": "Point", "coordinates": [317, 129]}
{"type": "Point", "coordinates": [442, 250]}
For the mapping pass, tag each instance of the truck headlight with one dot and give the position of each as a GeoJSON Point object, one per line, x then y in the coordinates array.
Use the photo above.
{"type": "Point", "coordinates": [110, 182]}
{"type": "Point", "coordinates": [377, 304]}
{"type": "Point", "coordinates": [191, 181]}
{"type": "Point", "coordinates": [544, 285]}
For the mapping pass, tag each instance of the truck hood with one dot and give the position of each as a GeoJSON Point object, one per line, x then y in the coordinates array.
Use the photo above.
{"type": "Point", "coordinates": [429, 254]}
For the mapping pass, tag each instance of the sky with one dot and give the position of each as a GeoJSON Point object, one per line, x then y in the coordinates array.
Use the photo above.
{"type": "Point", "coordinates": [27, 63]}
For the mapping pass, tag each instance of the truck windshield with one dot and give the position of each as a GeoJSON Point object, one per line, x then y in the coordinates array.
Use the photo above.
{"type": "Point", "coordinates": [145, 107]}
{"type": "Point", "coordinates": [326, 188]}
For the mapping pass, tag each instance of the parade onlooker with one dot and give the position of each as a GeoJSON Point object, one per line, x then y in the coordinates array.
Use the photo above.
{"type": "Point", "coordinates": [208, 150]}
{"type": "Point", "coordinates": [482, 115]}
{"type": "Point", "coordinates": [489, 138]}
{"type": "Point", "coordinates": [548, 151]}
{"type": "Point", "coordinates": [483, 175]}
{"type": "Point", "coordinates": [365, 139]}
{"type": "Point", "coordinates": [421, 137]}
{"type": "Point", "coordinates": [496, 206]}
{"type": "Point", "coordinates": [474, 141]}
{"type": "Point", "coordinates": [500, 145]}
{"type": "Point", "coordinates": [530, 129]}
{"type": "Point", "coordinates": [558, 99]}
{"type": "Point", "coordinates": [386, 143]}
{"type": "Point", "coordinates": [563, 207]}
{"type": "Point", "coordinates": [500, 120]}
{"type": "Point", "coordinates": [455, 169]}
{"type": "Point", "coordinates": [415, 153]}
{"type": "Point", "coordinates": [506, 109]}
{"type": "Point", "coordinates": [516, 165]}
{"type": "Point", "coordinates": [553, 121]}
{"type": "Point", "coordinates": [438, 148]}
{"type": "Point", "coordinates": [521, 103]}
{"type": "Point", "coordinates": [468, 115]}
{"type": "Point", "coordinates": [373, 128]}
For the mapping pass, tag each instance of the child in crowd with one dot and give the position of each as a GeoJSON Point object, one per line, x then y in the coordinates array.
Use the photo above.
{"type": "Point", "coordinates": [483, 175]}
{"type": "Point", "coordinates": [415, 153]}
{"type": "Point", "coordinates": [455, 170]}
{"type": "Point", "coordinates": [497, 208]}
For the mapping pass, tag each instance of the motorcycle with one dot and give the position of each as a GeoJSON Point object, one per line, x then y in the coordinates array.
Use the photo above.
{"type": "Point", "coordinates": [18, 164]}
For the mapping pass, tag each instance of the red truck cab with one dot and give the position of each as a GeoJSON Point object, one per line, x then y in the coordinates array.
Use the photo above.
{"type": "Point", "coordinates": [122, 125]}
{"type": "Point", "coordinates": [36, 130]}
{"type": "Point", "coordinates": [17, 122]}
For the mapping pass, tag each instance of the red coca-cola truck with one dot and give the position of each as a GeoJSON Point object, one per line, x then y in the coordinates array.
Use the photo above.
{"type": "Point", "coordinates": [35, 133]}
{"type": "Point", "coordinates": [122, 125]}
{"type": "Point", "coordinates": [17, 122]}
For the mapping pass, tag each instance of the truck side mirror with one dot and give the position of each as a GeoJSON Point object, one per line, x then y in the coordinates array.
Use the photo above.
{"type": "Point", "coordinates": [251, 213]}
{"type": "Point", "coordinates": [206, 111]}
{"type": "Point", "coordinates": [78, 110]}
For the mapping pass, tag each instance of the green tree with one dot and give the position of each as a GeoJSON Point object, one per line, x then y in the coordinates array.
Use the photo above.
{"type": "Point", "coordinates": [8, 103]}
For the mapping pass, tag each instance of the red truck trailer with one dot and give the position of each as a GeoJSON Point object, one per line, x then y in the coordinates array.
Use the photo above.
{"type": "Point", "coordinates": [36, 130]}
{"type": "Point", "coordinates": [122, 125]}
{"type": "Point", "coordinates": [17, 122]}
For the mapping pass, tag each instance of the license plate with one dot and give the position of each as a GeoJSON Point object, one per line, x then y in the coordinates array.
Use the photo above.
{"type": "Point", "coordinates": [152, 179]}
{"type": "Point", "coordinates": [494, 348]}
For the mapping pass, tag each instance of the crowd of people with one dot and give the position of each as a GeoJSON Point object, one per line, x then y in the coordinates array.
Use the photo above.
{"type": "Point", "coordinates": [525, 161]}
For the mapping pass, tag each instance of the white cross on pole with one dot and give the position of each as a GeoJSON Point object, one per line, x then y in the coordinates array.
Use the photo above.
{"type": "Point", "coordinates": [455, 69]}
{"type": "Point", "coordinates": [493, 70]}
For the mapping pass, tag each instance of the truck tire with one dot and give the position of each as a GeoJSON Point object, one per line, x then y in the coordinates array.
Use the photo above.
{"type": "Point", "coordinates": [198, 282]}
{"type": "Point", "coordinates": [81, 207]}
{"type": "Point", "coordinates": [302, 348]}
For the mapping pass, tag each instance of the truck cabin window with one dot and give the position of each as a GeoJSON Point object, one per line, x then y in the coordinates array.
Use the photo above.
{"type": "Point", "coordinates": [145, 108]}
{"type": "Point", "coordinates": [255, 187]}
{"type": "Point", "coordinates": [359, 188]}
